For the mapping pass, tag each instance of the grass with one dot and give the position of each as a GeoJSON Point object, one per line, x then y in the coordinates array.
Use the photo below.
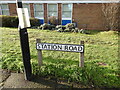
{"type": "Point", "coordinates": [101, 56]}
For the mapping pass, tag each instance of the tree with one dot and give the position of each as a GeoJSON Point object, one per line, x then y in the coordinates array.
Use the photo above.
{"type": "Point", "coordinates": [111, 12]}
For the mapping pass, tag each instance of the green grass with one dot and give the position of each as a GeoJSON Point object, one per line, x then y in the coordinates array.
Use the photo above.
{"type": "Point", "coordinates": [100, 47]}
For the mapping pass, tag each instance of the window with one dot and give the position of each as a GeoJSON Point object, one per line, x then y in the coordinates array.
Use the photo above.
{"type": "Point", "coordinates": [28, 7]}
{"type": "Point", "coordinates": [52, 10]}
{"type": "Point", "coordinates": [38, 11]}
{"type": "Point", "coordinates": [4, 9]}
{"type": "Point", "coordinates": [67, 11]}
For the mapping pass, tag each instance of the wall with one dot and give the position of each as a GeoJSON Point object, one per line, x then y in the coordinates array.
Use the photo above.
{"type": "Point", "coordinates": [32, 9]}
{"type": "Point", "coordinates": [89, 16]}
{"type": "Point", "coordinates": [45, 13]}
{"type": "Point", "coordinates": [59, 13]}
{"type": "Point", "coordinates": [12, 9]}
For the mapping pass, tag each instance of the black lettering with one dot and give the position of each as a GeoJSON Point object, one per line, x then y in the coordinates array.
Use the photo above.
{"type": "Point", "coordinates": [54, 47]}
{"type": "Point", "coordinates": [71, 48]}
{"type": "Point", "coordinates": [66, 47]}
{"type": "Point", "coordinates": [74, 48]}
{"type": "Point", "coordinates": [79, 48]}
{"type": "Point", "coordinates": [42, 46]}
{"type": "Point", "coordinates": [59, 47]}
{"type": "Point", "coordinates": [48, 46]}
{"type": "Point", "coordinates": [45, 46]}
{"type": "Point", "coordinates": [38, 46]}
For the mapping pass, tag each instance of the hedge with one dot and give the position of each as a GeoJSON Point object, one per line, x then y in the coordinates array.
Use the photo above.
{"type": "Point", "coordinates": [12, 21]}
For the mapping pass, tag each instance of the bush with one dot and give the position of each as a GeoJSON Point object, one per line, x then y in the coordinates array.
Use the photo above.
{"type": "Point", "coordinates": [9, 21]}
{"type": "Point", "coordinates": [70, 26]}
{"type": "Point", "coordinates": [46, 26]}
{"type": "Point", "coordinates": [34, 22]}
{"type": "Point", "coordinates": [12, 21]}
{"type": "Point", "coordinates": [53, 20]}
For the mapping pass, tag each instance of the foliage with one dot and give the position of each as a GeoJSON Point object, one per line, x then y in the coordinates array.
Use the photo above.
{"type": "Point", "coordinates": [46, 26]}
{"type": "Point", "coordinates": [9, 21]}
{"type": "Point", "coordinates": [101, 56]}
{"type": "Point", "coordinates": [53, 20]}
{"type": "Point", "coordinates": [70, 27]}
{"type": "Point", "coordinates": [12, 21]}
{"type": "Point", "coordinates": [34, 22]}
{"type": "Point", "coordinates": [111, 12]}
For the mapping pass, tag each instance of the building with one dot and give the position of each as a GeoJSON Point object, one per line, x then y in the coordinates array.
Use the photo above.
{"type": "Point", "coordinates": [86, 14]}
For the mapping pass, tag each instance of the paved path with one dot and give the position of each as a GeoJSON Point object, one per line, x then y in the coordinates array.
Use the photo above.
{"type": "Point", "coordinates": [16, 80]}
{"type": "Point", "coordinates": [4, 74]}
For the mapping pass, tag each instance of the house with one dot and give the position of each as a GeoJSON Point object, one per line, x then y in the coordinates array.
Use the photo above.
{"type": "Point", "coordinates": [86, 14]}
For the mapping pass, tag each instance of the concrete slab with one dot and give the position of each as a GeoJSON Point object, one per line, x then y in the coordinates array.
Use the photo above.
{"type": "Point", "coordinates": [17, 81]}
{"type": "Point", "coordinates": [4, 74]}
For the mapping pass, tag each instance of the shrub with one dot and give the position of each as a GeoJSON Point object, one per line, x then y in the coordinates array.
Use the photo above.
{"type": "Point", "coordinates": [12, 21]}
{"type": "Point", "coordinates": [53, 20]}
{"type": "Point", "coordinates": [34, 22]}
{"type": "Point", "coordinates": [9, 21]}
{"type": "Point", "coordinates": [46, 26]}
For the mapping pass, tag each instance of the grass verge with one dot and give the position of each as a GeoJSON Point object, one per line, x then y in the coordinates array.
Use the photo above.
{"type": "Point", "coordinates": [101, 56]}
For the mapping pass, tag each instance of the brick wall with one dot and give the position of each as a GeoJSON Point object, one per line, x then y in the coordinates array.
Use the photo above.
{"type": "Point", "coordinates": [12, 9]}
{"type": "Point", "coordinates": [89, 16]}
{"type": "Point", "coordinates": [45, 13]}
{"type": "Point", "coordinates": [32, 9]}
{"type": "Point", "coordinates": [59, 13]}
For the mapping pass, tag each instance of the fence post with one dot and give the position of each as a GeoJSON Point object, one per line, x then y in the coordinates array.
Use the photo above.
{"type": "Point", "coordinates": [39, 53]}
{"type": "Point", "coordinates": [81, 62]}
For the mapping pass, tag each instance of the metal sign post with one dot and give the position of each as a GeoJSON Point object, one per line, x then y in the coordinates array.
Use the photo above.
{"type": "Point", "coordinates": [25, 46]}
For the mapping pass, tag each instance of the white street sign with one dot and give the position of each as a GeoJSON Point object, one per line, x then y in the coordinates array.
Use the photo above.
{"type": "Point", "coordinates": [60, 47]}
{"type": "Point", "coordinates": [23, 16]}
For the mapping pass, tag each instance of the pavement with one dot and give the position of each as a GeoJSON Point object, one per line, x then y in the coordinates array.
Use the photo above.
{"type": "Point", "coordinates": [16, 80]}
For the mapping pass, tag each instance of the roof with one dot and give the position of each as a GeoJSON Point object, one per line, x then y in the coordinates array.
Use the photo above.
{"type": "Point", "coordinates": [62, 1]}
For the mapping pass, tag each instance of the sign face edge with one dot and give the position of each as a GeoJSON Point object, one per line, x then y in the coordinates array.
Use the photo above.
{"type": "Point", "coordinates": [62, 47]}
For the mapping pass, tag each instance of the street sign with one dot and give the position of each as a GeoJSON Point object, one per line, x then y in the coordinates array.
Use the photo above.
{"type": "Point", "coordinates": [60, 47]}
{"type": "Point", "coordinates": [24, 39]}
{"type": "Point", "coordinates": [23, 16]}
